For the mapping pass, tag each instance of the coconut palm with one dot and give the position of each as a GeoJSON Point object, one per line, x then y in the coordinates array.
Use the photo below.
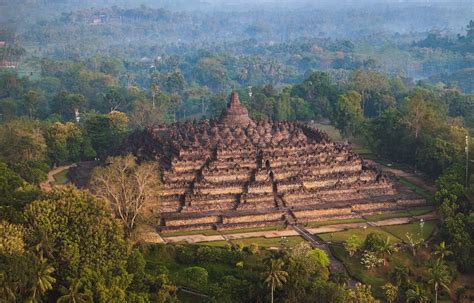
{"type": "Point", "coordinates": [386, 248]}
{"type": "Point", "coordinates": [73, 294]}
{"type": "Point", "coordinates": [439, 276]}
{"type": "Point", "coordinates": [43, 280]}
{"type": "Point", "coordinates": [391, 292]}
{"type": "Point", "coordinates": [442, 251]}
{"type": "Point", "coordinates": [416, 294]}
{"type": "Point", "coordinates": [275, 276]}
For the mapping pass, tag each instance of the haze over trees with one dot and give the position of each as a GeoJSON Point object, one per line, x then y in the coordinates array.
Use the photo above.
{"type": "Point", "coordinates": [78, 77]}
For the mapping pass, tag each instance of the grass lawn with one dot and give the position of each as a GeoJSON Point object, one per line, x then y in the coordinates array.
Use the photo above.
{"type": "Point", "coordinates": [388, 215]}
{"type": "Point", "coordinates": [252, 229]}
{"type": "Point", "coordinates": [330, 130]}
{"type": "Point", "coordinates": [333, 222]}
{"type": "Point", "coordinates": [61, 177]}
{"type": "Point", "coordinates": [421, 191]}
{"type": "Point", "coordinates": [400, 214]}
{"type": "Point", "coordinates": [414, 228]}
{"type": "Point", "coordinates": [421, 211]}
{"type": "Point", "coordinates": [377, 277]}
{"type": "Point", "coordinates": [270, 242]}
{"type": "Point", "coordinates": [362, 233]}
{"type": "Point", "coordinates": [205, 232]}
{"type": "Point", "coordinates": [357, 270]}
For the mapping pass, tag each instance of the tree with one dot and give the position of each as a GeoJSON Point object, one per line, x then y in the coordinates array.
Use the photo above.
{"type": "Point", "coordinates": [439, 276]}
{"type": "Point", "coordinates": [10, 182]}
{"type": "Point", "coordinates": [21, 141]}
{"type": "Point", "coordinates": [43, 278]}
{"type": "Point", "coordinates": [442, 251]}
{"type": "Point", "coordinates": [106, 132]}
{"type": "Point", "coordinates": [416, 294]}
{"type": "Point", "coordinates": [66, 143]}
{"type": "Point", "coordinates": [419, 112]}
{"type": "Point", "coordinates": [68, 105]}
{"type": "Point", "coordinates": [413, 242]}
{"type": "Point", "coordinates": [79, 231]}
{"type": "Point", "coordinates": [128, 186]}
{"type": "Point", "coordinates": [275, 276]}
{"type": "Point", "coordinates": [386, 248]}
{"type": "Point", "coordinates": [348, 113]}
{"type": "Point", "coordinates": [194, 277]}
{"type": "Point", "coordinates": [145, 115]}
{"type": "Point", "coordinates": [74, 294]}
{"type": "Point", "coordinates": [391, 292]}
{"type": "Point", "coordinates": [11, 239]}
{"type": "Point", "coordinates": [32, 101]}
{"type": "Point", "coordinates": [352, 244]}
{"type": "Point", "coordinates": [362, 294]}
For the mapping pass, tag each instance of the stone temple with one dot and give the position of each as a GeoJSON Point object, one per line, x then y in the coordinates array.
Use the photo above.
{"type": "Point", "coordinates": [235, 172]}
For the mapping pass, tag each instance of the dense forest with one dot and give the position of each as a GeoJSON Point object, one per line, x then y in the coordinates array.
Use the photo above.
{"type": "Point", "coordinates": [78, 77]}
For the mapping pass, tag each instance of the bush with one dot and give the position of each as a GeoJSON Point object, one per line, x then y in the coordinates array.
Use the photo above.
{"type": "Point", "coordinates": [253, 248]}
{"type": "Point", "coordinates": [185, 254]}
{"type": "Point", "coordinates": [374, 241]}
{"type": "Point", "coordinates": [195, 277]}
{"type": "Point", "coordinates": [238, 246]}
{"type": "Point", "coordinates": [209, 254]}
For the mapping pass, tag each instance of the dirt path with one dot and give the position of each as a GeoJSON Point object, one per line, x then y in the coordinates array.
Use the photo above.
{"type": "Point", "coordinates": [47, 185]}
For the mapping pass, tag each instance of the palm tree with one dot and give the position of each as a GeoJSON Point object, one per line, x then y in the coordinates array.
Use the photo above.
{"type": "Point", "coordinates": [275, 276]}
{"type": "Point", "coordinates": [391, 292]}
{"type": "Point", "coordinates": [386, 248]}
{"type": "Point", "coordinates": [442, 251]}
{"type": "Point", "coordinates": [416, 294]}
{"type": "Point", "coordinates": [73, 294]}
{"type": "Point", "coordinates": [439, 276]}
{"type": "Point", "coordinates": [43, 280]}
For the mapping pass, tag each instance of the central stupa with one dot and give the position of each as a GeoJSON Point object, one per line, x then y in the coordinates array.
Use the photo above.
{"type": "Point", "coordinates": [235, 113]}
{"type": "Point", "coordinates": [235, 172]}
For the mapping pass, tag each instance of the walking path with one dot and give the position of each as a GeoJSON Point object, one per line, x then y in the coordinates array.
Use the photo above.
{"type": "Point", "coordinates": [294, 232]}
{"type": "Point", "coordinates": [47, 185]}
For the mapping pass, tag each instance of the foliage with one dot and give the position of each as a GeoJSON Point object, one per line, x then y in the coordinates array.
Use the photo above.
{"type": "Point", "coordinates": [76, 232]}
{"type": "Point", "coordinates": [128, 186]}
{"type": "Point", "coordinates": [361, 294]}
{"type": "Point", "coordinates": [352, 245]}
{"type": "Point", "coordinates": [275, 277]}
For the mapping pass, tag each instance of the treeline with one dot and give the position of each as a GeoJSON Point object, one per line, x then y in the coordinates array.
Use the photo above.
{"type": "Point", "coordinates": [414, 123]}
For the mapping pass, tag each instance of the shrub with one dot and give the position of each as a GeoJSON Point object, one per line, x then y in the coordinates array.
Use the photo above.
{"type": "Point", "coordinates": [208, 254]}
{"type": "Point", "coordinates": [238, 246]}
{"type": "Point", "coordinates": [194, 277]}
{"type": "Point", "coordinates": [253, 248]}
{"type": "Point", "coordinates": [374, 241]}
{"type": "Point", "coordinates": [185, 254]}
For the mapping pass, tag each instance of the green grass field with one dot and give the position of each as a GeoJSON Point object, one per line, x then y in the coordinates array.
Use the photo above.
{"type": "Point", "coordinates": [270, 242]}
{"type": "Point", "coordinates": [421, 191]}
{"type": "Point", "coordinates": [205, 232]}
{"type": "Point", "coordinates": [395, 232]}
{"type": "Point", "coordinates": [413, 228]}
{"type": "Point", "coordinates": [388, 215]}
{"type": "Point", "coordinates": [362, 233]}
{"type": "Point", "coordinates": [330, 130]}
{"type": "Point", "coordinates": [61, 178]}
{"type": "Point", "coordinates": [253, 229]}
{"type": "Point", "coordinates": [333, 222]}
